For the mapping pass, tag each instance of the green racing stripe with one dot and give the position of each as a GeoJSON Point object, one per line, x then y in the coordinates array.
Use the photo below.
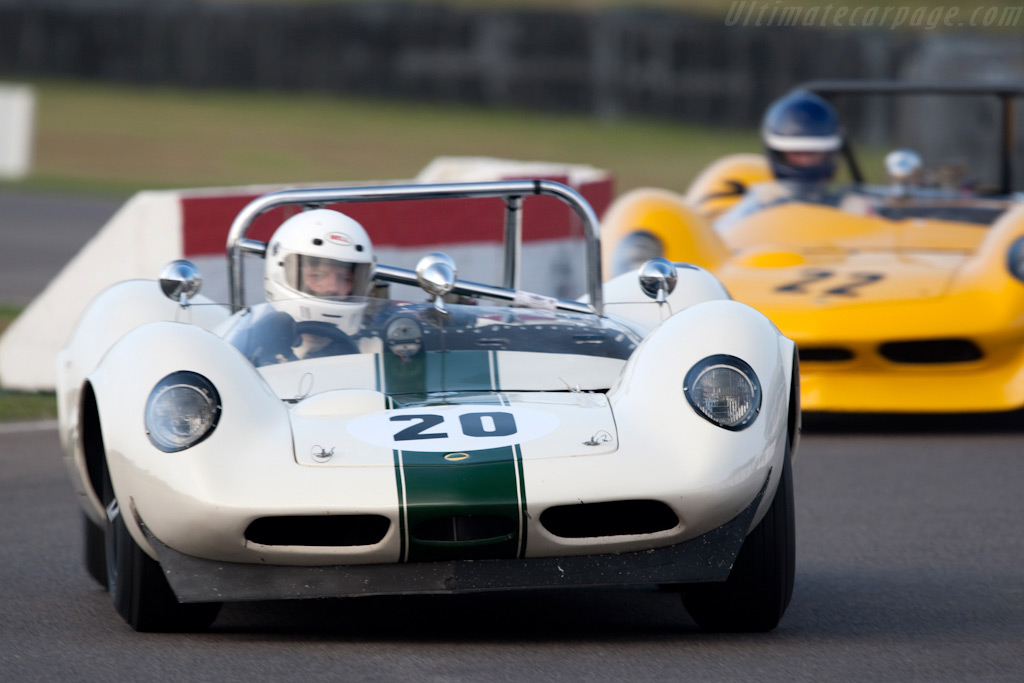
{"type": "Point", "coordinates": [439, 371]}
{"type": "Point", "coordinates": [468, 505]}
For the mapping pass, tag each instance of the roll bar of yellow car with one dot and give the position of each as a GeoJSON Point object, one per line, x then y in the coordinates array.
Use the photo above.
{"type": "Point", "coordinates": [512, 191]}
{"type": "Point", "coordinates": [1006, 92]}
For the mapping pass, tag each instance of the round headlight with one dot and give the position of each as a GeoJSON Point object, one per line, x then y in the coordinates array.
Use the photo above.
{"type": "Point", "coordinates": [724, 391]}
{"type": "Point", "coordinates": [634, 250]}
{"type": "Point", "coordinates": [182, 410]}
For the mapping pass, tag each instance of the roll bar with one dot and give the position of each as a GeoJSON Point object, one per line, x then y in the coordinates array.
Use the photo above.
{"type": "Point", "coordinates": [513, 191]}
{"type": "Point", "coordinates": [1006, 92]}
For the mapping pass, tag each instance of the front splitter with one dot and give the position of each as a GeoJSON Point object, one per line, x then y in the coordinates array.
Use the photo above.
{"type": "Point", "coordinates": [706, 558]}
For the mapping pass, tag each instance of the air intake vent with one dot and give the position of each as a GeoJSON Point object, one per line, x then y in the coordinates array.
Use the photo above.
{"type": "Point", "coordinates": [824, 354]}
{"type": "Point", "coordinates": [931, 351]}
{"type": "Point", "coordinates": [465, 528]}
{"type": "Point", "coordinates": [319, 531]}
{"type": "Point", "coordinates": [618, 518]}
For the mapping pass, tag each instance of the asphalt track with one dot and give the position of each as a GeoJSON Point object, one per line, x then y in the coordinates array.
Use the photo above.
{"type": "Point", "coordinates": [910, 567]}
{"type": "Point", "coordinates": [39, 233]}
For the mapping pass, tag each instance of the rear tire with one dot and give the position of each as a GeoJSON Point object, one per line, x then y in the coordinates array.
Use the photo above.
{"type": "Point", "coordinates": [95, 550]}
{"type": "Point", "coordinates": [137, 584]}
{"type": "Point", "coordinates": [760, 585]}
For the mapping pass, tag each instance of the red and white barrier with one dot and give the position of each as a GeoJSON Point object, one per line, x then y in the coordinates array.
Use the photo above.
{"type": "Point", "coordinates": [155, 227]}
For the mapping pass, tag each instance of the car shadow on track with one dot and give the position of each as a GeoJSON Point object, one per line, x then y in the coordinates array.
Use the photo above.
{"type": "Point", "coordinates": [526, 616]}
{"type": "Point", "coordinates": [913, 423]}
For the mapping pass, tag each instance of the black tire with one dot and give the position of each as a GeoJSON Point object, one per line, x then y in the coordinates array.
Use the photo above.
{"type": "Point", "coordinates": [137, 584]}
{"type": "Point", "coordinates": [760, 585]}
{"type": "Point", "coordinates": [95, 550]}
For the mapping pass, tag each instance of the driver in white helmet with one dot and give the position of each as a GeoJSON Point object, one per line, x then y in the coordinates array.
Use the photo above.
{"type": "Point", "coordinates": [326, 277]}
{"type": "Point", "coordinates": [319, 268]}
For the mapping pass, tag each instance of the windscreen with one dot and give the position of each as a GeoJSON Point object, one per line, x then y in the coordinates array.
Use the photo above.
{"type": "Point", "coordinates": [274, 333]}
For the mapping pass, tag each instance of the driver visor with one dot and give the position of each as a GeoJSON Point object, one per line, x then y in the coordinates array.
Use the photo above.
{"type": "Point", "coordinates": [326, 278]}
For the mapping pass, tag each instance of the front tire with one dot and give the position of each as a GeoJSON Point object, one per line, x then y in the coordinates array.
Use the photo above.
{"type": "Point", "coordinates": [760, 585]}
{"type": "Point", "coordinates": [95, 550]}
{"type": "Point", "coordinates": [137, 584]}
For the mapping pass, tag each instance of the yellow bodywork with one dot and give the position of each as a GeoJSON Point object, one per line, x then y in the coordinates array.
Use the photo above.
{"type": "Point", "coordinates": [913, 315]}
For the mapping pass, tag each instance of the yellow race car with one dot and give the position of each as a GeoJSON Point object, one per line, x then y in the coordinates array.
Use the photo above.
{"type": "Point", "coordinates": [904, 297]}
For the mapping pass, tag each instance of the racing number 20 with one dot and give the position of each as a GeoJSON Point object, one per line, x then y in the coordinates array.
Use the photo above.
{"type": "Point", "coordinates": [472, 424]}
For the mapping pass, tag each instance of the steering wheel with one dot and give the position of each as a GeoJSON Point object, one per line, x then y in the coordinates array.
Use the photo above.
{"type": "Point", "coordinates": [340, 343]}
{"type": "Point", "coordinates": [270, 340]}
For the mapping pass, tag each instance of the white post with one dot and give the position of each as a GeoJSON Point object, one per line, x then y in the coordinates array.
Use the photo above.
{"type": "Point", "coordinates": [17, 116]}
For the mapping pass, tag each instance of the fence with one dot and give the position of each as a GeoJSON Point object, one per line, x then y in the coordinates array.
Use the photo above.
{"type": "Point", "coordinates": [621, 62]}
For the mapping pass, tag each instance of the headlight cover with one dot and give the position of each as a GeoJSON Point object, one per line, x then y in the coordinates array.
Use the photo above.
{"type": "Point", "coordinates": [725, 391]}
{"type": "Point", "coordinates": [1015, 259]}
{"type": "Point", "coordinates": [634, 250]}
{"type": "Point", "coordinates": [182, 410]}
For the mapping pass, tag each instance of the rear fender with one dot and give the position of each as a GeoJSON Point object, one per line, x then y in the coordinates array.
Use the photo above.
{"type": "Point", "coordinates": [725, 182]}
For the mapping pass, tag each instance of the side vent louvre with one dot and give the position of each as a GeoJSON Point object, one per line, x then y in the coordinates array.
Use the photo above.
{"type": "Point", "coordinates": [616, 518]}
{"type": "Point", "coordinates": [319, 531]}
{"type": "Point", "coordinates": [931, 351]}
{"type": "Point", "coordinates": [824, 354]}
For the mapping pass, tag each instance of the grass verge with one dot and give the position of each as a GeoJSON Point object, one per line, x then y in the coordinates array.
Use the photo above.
{"type": "Point", "coordinates": [97, 138]}
{"type": "Point", "coordinates": [19, 405]}
{"type": "Point", "coordinates": [114, 138]}
{"type": "Point", "coordinates": [7, 315]}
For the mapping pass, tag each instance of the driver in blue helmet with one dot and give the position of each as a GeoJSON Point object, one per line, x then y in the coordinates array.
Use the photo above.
{"type": "Point", "coordinates": [802, 140]}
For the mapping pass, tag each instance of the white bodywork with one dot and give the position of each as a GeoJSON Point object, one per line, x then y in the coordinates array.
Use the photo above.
{"type": "Point", "coordinates": [590, 428]}
{"type": "Point", "coordinates": [256, 463]}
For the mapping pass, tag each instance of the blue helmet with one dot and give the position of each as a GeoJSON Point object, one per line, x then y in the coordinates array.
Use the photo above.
{"type": "Point", "coordinates": [802, 137]}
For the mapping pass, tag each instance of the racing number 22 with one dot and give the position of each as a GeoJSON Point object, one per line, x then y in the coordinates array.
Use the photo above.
{"type": "Point", "coordinates": [471, 424]}
{"type": "Point", "coordinates": [844, 289]}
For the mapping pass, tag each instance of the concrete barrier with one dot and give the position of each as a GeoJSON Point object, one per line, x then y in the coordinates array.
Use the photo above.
{"type": "Point", "coordinates": [155, 227]}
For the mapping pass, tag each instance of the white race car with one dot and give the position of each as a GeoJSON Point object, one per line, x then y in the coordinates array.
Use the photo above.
{"type": "Point", "coordinates": [481, 438]}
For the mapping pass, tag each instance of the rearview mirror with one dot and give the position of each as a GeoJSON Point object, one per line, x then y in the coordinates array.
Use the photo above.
{"type": "Point", "coordinates": [436, 274]}
{"type": "Point", "coordinates": [658, 278]}
{"type": "Point", "coordinates": [180, 280]}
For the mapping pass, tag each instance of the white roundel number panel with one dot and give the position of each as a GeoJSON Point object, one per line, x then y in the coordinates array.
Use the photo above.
{"type": "Point", "coordinates": [452, 428]}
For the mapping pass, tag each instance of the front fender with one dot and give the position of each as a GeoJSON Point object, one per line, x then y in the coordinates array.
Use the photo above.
{"type": "Point", "coordinates": [117, 310]}
{"type": "Point", "coordinates": [683, 234]}
{"type": "Point", "coordinates": [652, 413]}
{"type": "Point", "coordinates": [987, 270]}
{"type": "Point", "coordinates": [114, 312]}
{"type": "Point", "coordinates": [253, 427]}
{"type": "Point", "coordinates": [624, 298]}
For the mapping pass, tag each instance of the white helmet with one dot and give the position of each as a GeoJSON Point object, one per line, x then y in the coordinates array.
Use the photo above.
{"type": "Point", "coordinates": [315, 262]}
